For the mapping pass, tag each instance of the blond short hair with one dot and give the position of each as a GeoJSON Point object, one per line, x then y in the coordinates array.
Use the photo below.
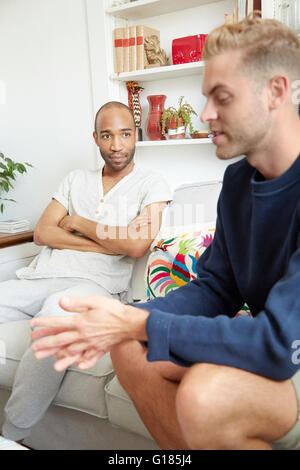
{"type": "Point", "coordinates": [268, 47]}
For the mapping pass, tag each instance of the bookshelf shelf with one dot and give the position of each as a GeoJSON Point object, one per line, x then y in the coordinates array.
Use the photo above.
{"type": "Point", "coordinates": [160, 73]}
{"type": "Point", "coordinates": [147, 8]}
{"type": "Point", "coordinates": [168, 143]}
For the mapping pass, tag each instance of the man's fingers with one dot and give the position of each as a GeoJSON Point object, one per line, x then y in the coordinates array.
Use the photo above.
{"type": "Point", "coordinates": [66, 362]}
{"type": "Point", "coordinates": [61, 339]}
{"type": "Point", "coordinates": [65, 323]}
{"type": "Point", "coordinates": [42, 332]}
{"type": "Point", "coordinates": [144, 224]}
{"type": "Point", "coordinates": [42, 354]}
{"type": "Point", "coordinates": [83, 361]}
{"type": "Point", "coordinates": [79, 304]}
{"type": "Point", "coordinates": [143, 220]}
{"type": "Point", "coordinates": [90, 353]}
{"type": "Point", "coordinates": [75, 348]}
{"type": "Point", "coordinates": [86, 363]}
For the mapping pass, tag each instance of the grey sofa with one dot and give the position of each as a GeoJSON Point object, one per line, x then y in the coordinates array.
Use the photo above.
{"type": "Point", "coordinates": [92, 410]}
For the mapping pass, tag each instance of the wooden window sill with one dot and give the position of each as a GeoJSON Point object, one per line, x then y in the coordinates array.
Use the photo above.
{"type": "Point", "coordinates": [7, 239]}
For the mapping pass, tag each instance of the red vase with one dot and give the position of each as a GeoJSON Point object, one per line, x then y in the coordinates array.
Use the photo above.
{"type": "Point", "coordinates": [153, 125]}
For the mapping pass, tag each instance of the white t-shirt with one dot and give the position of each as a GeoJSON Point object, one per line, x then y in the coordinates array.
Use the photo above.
{"type": "Point", "coordinates": [81, 193]}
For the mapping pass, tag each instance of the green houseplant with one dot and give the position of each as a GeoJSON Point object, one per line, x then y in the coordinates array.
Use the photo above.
{"type": "Point", "coordinates": [8, 171]}
{"type": "Point", "coordinates": [173, 118]}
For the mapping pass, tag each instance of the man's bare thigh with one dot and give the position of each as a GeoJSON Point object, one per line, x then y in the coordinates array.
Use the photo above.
{"type": "Point", "coordinates": [133, 354]}
{"type": "Point", "coordinates": [257, 406]}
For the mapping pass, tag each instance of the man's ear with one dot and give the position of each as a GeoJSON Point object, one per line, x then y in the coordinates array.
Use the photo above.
{"type": "Point", "coordinates": [278, 90]}
{"type": "Point", "coordinates": [95, 138]}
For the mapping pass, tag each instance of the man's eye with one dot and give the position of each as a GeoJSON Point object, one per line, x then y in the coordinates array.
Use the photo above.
{"type": "Point", "coordinates": [222, 99]}
{"type": "Point", "coordinates": [105, 136]}
{"type": "Point", "coordinates": [126, 134]}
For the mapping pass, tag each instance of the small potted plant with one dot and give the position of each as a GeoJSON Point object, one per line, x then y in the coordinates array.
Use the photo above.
{"type": "Point", "coordinates": [8, 170]}
{"type": "Point", "coordinates": [176, 121]}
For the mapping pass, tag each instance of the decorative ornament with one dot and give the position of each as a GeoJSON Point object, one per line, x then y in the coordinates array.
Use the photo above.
{"type": "Point", "coordinates": [156, 56]}
{"type": "Point", "coordinates": [134, 90]}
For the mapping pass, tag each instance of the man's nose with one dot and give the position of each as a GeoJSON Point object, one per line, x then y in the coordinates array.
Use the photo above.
{"type": "Point", "coordinates": [116, 142]}
{"type": "Point", "coordinates": [209, 113]}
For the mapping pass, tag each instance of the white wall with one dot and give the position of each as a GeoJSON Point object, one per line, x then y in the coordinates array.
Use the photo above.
{"type": "Point", "coordinates": [49, 111]}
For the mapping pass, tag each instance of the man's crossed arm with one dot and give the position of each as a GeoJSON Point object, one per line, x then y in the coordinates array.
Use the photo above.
{"type": "Point", "coordinates": [55, 229]}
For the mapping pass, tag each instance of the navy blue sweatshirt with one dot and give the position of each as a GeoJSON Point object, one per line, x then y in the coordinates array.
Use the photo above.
{"type": "Point", "coordinates": [254, 258]}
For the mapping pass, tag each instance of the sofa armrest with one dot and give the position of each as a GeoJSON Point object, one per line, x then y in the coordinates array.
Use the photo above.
{"type": "Point", "coordinates": [16, 257]}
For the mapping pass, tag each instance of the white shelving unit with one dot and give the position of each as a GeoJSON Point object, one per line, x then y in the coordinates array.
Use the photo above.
{"type": "Point", "coordinates": [161, 73]}
{"type": "Point", "coordinates": [147, 8]}
{"type": "Point", "coordinates": [179, 160]}
{"type": "Point", "coordinates": [140, 12]}
{"type": "Point", "coordinates": [174, 142]}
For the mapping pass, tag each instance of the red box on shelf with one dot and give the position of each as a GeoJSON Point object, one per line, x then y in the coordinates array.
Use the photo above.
{"type": "Point", "coordinates": [188, 49]}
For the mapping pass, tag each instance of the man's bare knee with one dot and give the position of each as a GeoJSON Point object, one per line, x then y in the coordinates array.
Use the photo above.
{"type": "Point", "coordinates": [201, 408]}
{"type": "Point", "coordinates": [223, 407]}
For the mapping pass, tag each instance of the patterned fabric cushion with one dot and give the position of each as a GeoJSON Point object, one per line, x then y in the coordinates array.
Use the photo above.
{"type": "Point", "coordinates": [172, 262]}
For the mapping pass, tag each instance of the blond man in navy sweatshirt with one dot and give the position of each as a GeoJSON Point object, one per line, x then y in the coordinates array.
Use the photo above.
{"type": "Point", "coordinates": [200, 378]}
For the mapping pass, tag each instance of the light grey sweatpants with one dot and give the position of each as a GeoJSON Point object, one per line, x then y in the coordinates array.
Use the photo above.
{"type": "Point", "coordinates": [36, 382]}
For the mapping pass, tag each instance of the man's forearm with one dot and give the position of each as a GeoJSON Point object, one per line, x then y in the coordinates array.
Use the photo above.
{"type": "Point", "coordinates": [56, 237]}
{"type": "Point", "coordinates": [127, 240]}
{"type": "Point", "coordinates": [108, 238]}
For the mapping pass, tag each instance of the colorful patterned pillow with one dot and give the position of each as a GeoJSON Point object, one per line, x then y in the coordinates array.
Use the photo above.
{"type": "Point", "coordinates": [173, 261]}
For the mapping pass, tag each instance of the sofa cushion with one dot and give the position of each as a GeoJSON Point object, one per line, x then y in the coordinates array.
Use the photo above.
{"type": "Point", "coordinates": [80, 390]}
{"type": "Point", "coordinates": [121, 410]}
{"type": "Point", "coordinates": [14, 340]}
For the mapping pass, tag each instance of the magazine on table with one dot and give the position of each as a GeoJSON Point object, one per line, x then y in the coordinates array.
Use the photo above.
{"type": "Point", "coordinates": [14, 226]}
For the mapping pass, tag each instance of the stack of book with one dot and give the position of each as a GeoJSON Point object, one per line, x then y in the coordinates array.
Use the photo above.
{"type": "Point", "coordinates": [14, 226]}
{"type": "Point", "coordinates": [129, 47]}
